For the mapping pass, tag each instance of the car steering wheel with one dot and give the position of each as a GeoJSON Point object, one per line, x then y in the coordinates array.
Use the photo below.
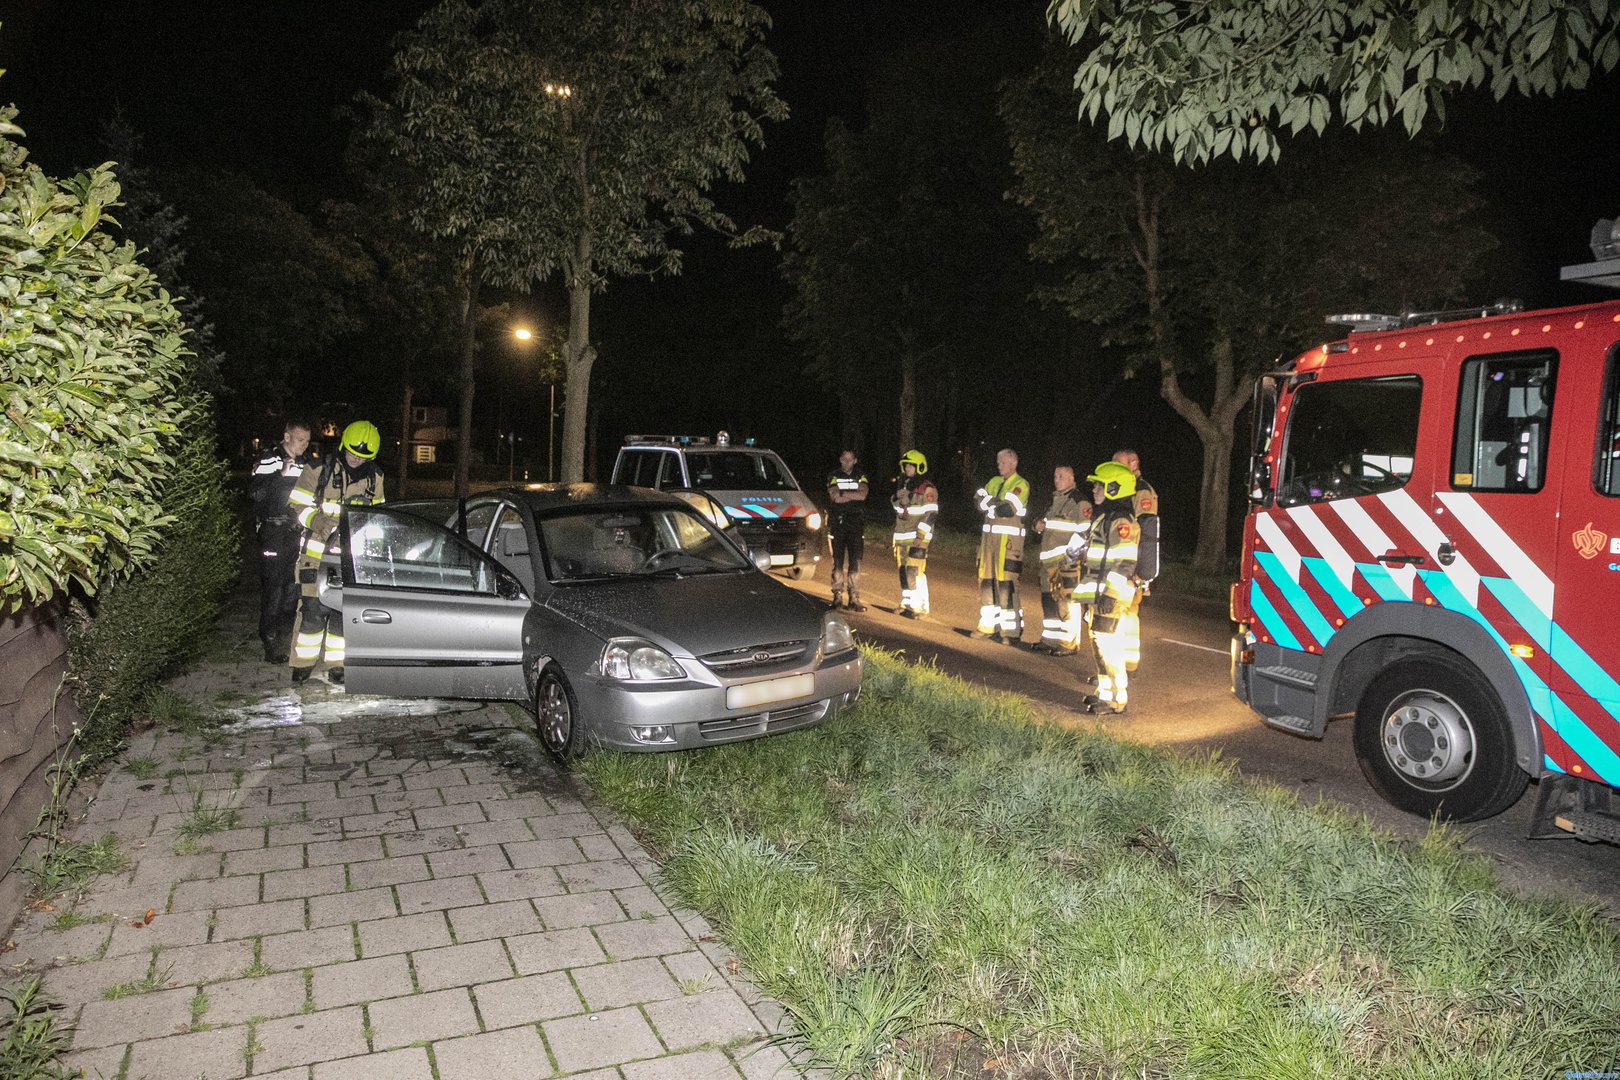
{"type": "Point", "coordinates": [658, 557]}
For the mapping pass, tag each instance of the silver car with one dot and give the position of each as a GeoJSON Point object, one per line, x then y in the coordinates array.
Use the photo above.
{"type": "Point", "coordinates": [625, 617]}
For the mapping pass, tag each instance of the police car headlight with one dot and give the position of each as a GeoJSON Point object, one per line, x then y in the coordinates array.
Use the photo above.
{"type": "Point", "coordinates": [813, 522]}
{"type": "Point", "coordinates": [633, 660]}
{"type": "Point", "coordinates": [835, 635]}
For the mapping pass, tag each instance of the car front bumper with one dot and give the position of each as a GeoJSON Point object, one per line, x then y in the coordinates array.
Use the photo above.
{"type": "Point", "coordinates": [695, 714]}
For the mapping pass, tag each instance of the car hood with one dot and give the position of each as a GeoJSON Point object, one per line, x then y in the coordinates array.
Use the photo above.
{"type": "Point", "coordinates": [692, 616]}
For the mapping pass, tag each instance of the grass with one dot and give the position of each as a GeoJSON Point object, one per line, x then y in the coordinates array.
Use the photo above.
{"type": "Point", "coordinates": [204, 820]}
{"type": "Point", "coordinates": [180, 714]}
{"type": "Point", "coordinates": [31, 1036]}
{"type": "Point", "coordinates": [70, 865]}
{"type": "Point", "coordinates": [940, 885]}
{"type": "Point", "coordinates": [143, 768]}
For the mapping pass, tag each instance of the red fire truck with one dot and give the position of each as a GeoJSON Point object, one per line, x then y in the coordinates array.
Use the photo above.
{"type": "Point", "coordinates": [1433, 548]}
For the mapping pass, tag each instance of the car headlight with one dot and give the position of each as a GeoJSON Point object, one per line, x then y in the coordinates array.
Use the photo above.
{"type": "Point", "coordinates": [835, 635]}
{"type": "Point", "coordinates": [633, 660]}
{"type": "Point", "coordinates": [814, 520]}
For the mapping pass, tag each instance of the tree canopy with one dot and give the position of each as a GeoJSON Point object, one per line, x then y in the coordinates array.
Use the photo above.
{"type": "Point", "coordinates": [1206, 78]}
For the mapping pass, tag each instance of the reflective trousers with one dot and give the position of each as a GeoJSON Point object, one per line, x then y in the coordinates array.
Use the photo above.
{"type": "Point", "coordinates": [1060, 623]}
{"type": "Point", "coordinates": [1108, 646]}
{"type": "Point", "coordinates": [912, 560]}
{"type": "Point", "coordinates": [1000, 610]}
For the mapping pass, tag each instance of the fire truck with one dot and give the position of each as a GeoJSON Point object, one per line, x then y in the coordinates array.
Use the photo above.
{"type": "Point", "coordinates": [1432, 550]}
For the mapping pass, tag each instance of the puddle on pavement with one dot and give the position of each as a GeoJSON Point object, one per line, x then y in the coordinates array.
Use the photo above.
{"type": "Point", "coordinates": [284, 709]}
{"type": "Point", "coordinates": [513, 749]}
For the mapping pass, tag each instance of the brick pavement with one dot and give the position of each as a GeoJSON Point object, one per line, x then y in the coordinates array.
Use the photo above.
{"type": "Point", "coordinates": [400, 896]}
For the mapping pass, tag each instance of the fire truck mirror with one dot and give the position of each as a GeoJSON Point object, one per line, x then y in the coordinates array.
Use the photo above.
{"type": "Point", "coordinates": [1259, 482]}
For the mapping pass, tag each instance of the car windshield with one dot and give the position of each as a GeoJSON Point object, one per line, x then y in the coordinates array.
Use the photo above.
{"type": "Point", "coordinates": [636, 541]}
{"type": "Point", "coordinates": [738, 470]}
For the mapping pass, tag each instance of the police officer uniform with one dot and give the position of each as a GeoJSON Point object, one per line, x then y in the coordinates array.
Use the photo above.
{"type": "Point", "coordinates": [846, 528]}
{"type": "Point", "coordinates": [916, 508]}
{"type": "Point", "coordinates": [274, 476]}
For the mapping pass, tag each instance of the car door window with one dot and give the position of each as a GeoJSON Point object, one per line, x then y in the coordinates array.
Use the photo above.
{"type": "Point", "coordinates": [1504, 422]}
{"type": "Point", "coordinates": [509, 544]}
{"type": "Point", "coordinates": [479, 519]}
{"type": "Point", "coordinates": [1350, 438]}
{"type": "Point", "coordinates": [400, 551]}
{"type": "Point", "coordinates": [669, 472]}
{"type": "Point", "coordinates": [1606, 457]}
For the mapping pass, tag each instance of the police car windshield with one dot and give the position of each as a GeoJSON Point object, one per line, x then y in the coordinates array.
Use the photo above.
{"type": "Point", "coordinates": [738, 470]}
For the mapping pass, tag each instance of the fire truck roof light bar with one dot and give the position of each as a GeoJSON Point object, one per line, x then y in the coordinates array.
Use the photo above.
{"type": "Point", "coordinates": [1370, 323]}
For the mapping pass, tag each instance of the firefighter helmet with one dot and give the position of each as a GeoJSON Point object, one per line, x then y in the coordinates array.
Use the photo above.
{"type": "Point", "coordinates": [1118, 482]}
{"type": "Point", "coordinates": [914, 457]}
{"type": "Point", "coordinates": [362, 439]}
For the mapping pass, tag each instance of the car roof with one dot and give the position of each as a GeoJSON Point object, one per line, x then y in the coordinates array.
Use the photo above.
{"type": "Point", "coordinates": [543, 497]}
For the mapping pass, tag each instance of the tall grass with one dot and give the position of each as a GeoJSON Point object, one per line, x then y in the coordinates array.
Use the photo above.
{"type": "Point", "coordinates": [940, 885]}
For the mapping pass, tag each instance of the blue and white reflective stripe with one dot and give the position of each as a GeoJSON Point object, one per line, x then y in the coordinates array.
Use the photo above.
{"type": "Point", "coordinates": [1538, 587]}
{"type": "Point", "coordinates": [1383, 582]}
{"type": "Point", "coordinates": [1274, 626]}
{"type": "Point", "coordinates": [1294, 596]}
{"type": "Point", "coordinates": [1327, 546]}
{"type": "Point", "coordinates": [1375, 540]}
{"type": "Point", "coordinates": [1460, 571]}
{"type": "Point", "coordinates": [1345, 600]}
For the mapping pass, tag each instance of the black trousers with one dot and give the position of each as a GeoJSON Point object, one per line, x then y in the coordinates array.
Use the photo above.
{"type": "Point", "coordinates": [848, 545]}
{"type": "Point", "coordinates": [278, 583]}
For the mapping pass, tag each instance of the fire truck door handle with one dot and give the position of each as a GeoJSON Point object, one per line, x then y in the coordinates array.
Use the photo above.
{"type": "Point", "coordinates": [1447, 553]}
{"type": "Point", "coordinates": [1402, 560]}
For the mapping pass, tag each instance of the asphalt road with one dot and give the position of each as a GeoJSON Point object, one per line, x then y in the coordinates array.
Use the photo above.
{"type": "Point", "coordinates": [1181, 698]}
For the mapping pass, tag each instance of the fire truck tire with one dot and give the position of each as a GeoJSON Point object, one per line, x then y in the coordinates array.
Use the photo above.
{"type": "Point", "coordinates": [1433, 739]}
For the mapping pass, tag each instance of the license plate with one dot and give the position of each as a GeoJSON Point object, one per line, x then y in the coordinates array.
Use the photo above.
{"type": "Point", "coordinates": [781, 560]}
{"type": "Point", "coordinates": [760, 693]}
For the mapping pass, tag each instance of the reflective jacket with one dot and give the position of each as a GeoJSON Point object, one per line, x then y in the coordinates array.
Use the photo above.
{"type": "Point", "coordinates": [916, 506]}
{"type": "Point", "coordinates": [1145, 504]}
{"type": "Point", "coordinates": [1004, 502]}
{"type": "Point", "coordinates": [320, 495]}
{"type": "Point", "coordinates": [1065, 518]}
{"type": "Point", "coordinates": [849, 515]}
{"type": "Point", "coordinates": [1106, 555]}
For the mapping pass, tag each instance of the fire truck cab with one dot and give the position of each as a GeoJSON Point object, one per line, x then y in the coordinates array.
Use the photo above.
{"type": "Point", "coordinates": [1433, 549]}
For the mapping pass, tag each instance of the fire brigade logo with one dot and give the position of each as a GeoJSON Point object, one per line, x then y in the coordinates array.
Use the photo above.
{"type": "Point", "coordinates": [1588, 541]}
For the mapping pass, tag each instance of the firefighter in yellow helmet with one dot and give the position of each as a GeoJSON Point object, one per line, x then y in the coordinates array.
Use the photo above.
{"type": "Point", "coordinates": [350, 476]}
{"type": "Point", "coordinates": [1145, 504]}
{"type": "Point", "coordinates": [916, 507]}
{"type": "Point", "coordinates": [1105, 556]}
{"type": "Point", "coordinates": [1003, 501]}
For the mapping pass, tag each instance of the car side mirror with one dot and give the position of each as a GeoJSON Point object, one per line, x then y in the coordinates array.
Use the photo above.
{"type": "Point", "coordinates": [1259, 482]}
{"type": "Point", "coordinates": [759, 556]}
{"type": "Point", "coordinates": [507, 587]}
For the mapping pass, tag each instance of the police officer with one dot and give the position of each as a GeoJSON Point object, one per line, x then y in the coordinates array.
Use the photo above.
{"type": "Point", "coordinates": [846, 527]}
{"type": "Point", "coordinates": [916, 507]}
{"type": "Point", "coordinates": [1145, 504]}
{"type": "Point", "coordinates": [352, 477]}
{"type": "Point", "coordinates": [274, 476]}
{"type": "Point", "coordinates": [1105, 556]}
{"type": "Point", "coordinates": [1067, 516]}
{"type": "Point", "coordinates": [1003, 501]}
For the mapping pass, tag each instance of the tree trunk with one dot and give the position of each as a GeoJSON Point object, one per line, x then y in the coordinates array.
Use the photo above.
{"type": "Point", "coordinates": [401, 485]}
{"type": "Point", "coordinates": [1213, 491]}
{"type": "Point", "coordinates": [908, 400]}
{"type": "Point", "coordinates": [469, 356]}
{"type": "Point", "coordinates": [578, 359]}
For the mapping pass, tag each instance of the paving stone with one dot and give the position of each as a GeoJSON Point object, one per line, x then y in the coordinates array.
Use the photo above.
{"type": "Point", "coordinates": [315, 881]}
{"type": "Point", "coordinates": [272, 777]}
{"type": "Point", "coordinates": [216, 1055]}
{"type": "Point", "coordinates": [579, 909]}
{"type": "Point", "coordinates": [306, 1039]}
{"type": "Point", "coordinates": [42, 946]}
{"type": "Point", "coordinates": [192, 964]}
{"type": "Point", "coordinates": [598, 848]}
{"type": "Point", "coordinates": [355, 906]}
{"type": "Point", "coordinates": [408, 800]}
{"type": "Point", "coordinates": [558, 826]}
{"type": "Point", "coordinates": [519, 884]}
{"type": "Point", "coordinates": [596, 1039]}
{"type": "Point", "coordinates": [404, 933]}
{"type": "Point", "coordinates": [525, 854]}
{"type": "Point", "coordinates": [245, 839]}
{"type": "Point", "coordinates": [376, 824]}
{"type": "Point", "coordinates": [567, 804]}
{"type": "Point", "coordinates": [460, 965]}
{"type": "Point", "coordinates": [442, 1014]}
{"type": "Point", "coordinates": [306, 831]}
{"type": "Point", "coordinates": [141, 1016]}
{"type": "Point", "coordinates": [360, 849]}
{"type": "Point", "coordinates": [220, 892]}
{"type": "Point", "coordinates": [640, 902]}
{"type": "Point", "coordinates": [527, 999]}
{"type": "Point", "coordinates": [360, 980]}
{"type": "Point", "coordinates": [437, 817]}
{"type": "Point", "coordinates": [307, 792]}
{"type": "Point", "coordinates": [476, 860]}
{"type": "Point", "coordinates": [410, 1063]}
{"type": "Point", "coordinates": [390, 871]}
{"type": "Point", "coordinates": [473, 793]}
{"type": "Point", "coordinates": [585, 877]}
{"type": "Point", "coordinates": [513, 1054]}
{"type": "Point", "coordinates": [382, 765]}
{"type": "Point", "coordinates": [166, 869]}
{"type": "Point", "coordinates": [438, 894]}
{"type": "Point", "coordinates": [252, 920]}
{"type": "Point", "coordinates": [418, 842]}
{"type": "Point", "coordinates": [554, 950]}
{"type": "Point", "coordinates": [715, 1017]}
{"type": "Point", "coordinates": [241, 1000]}
{"type": "Point", "coordinates": [125, 901]}
{"type": "Point", "coordinates": [692, 967]}
{"type": "Point", "coordinates": [102, 1063]}
{"type": "Point", "coordinates": [494, 832]}
{"type": "Point", "coordinates": [275, 816]}
{"type": "Point", "coordinates": [644, 937]}
{"type": "Point", "coordinates": [82, 982]}
{"type": "Point", "coordinates": [701, 1065]}
{"type": "Point", "coordinates": [610, 986]}
{"type": "Point", "coordinates": [367, 786]}
{"type": "Point", "coordinates": [434, 778]}
{"type": "Point", "coordinates": [177, 928]}
{"type": "Point", "coordinates": [306, 948]}
{"type": "Point", "coordinates": [505, 919]}
{"type": "Point", "coordinates": [766, 1061]}
{"type": "Point", "coordinates": [262, 860]}
{"type": "Point", "coordinates": [520, 806]}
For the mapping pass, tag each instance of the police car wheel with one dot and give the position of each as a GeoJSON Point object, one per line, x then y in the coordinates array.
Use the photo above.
{"type": "Point", "coordinates": [1433, 739]}
{"type": "Point", "coordinates": [802, 572]}
{"type": "Point", "coordinates": [556, 717]}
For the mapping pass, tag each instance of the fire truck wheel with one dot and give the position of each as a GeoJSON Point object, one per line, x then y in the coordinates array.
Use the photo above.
{"type": "Point", "coordinates": [1434, 740]}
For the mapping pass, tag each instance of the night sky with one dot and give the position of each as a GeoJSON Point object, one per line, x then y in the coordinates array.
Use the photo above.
{"type": "Point", "coordinates": [255, 87]}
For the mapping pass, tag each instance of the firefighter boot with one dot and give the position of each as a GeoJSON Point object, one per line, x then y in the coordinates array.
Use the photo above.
{"type": "Point", "coordinates": [854, 581]}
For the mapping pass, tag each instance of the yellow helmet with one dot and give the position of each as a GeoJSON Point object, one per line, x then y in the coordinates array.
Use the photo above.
{"type": "Point", "coordinates": [1118, 482]}
{"type": "Point", "coordinates": [362, 439]}
{"type": "Point", "coordinates": [914, 457]}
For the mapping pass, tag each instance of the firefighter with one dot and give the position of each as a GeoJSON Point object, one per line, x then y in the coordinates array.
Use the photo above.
{"type": "Point", "coordinates": [352, 477]}
{"type": "Point", "coordinates": [1067, 516]}
{"type": "Point", "coordinates": [1003, 501]}
{"type": "Point", "coordinates": [274, 476]}
{"type": "Point", "coordinates": [1105, 557]}
{"type": "Point", "coordinates": [846, 527]}
{"type": "Point", "coordinates": [916, 506]}
{"type": "Point", "coordinates": [1145, 504]}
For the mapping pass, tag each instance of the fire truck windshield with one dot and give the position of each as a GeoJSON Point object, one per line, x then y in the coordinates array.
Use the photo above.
{"type": "Point", "coordinates": [1348, 438]}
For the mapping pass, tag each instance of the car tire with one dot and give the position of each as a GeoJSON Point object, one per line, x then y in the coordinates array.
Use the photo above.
{"type": "Point", "coordinates": [556, 716]}
{"type": "Point", "coordinates": [802, 572]}
{"type": "Point", "coordinates": [1434, 740]}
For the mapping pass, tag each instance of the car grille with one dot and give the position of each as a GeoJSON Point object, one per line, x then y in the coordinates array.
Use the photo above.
{"type": "Point", "coordinates": [756, 658]}
{"type": "Point", "coordinates": [764, 723]}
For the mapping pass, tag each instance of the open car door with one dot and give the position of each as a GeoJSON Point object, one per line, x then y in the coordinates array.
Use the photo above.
{"type": "Point", "coordinates": [425, 613]}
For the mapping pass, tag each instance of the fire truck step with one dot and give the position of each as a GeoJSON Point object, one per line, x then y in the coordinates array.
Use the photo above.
{"type": "Point", "coordinates": [1590, 826]}
{"type": "Point", "coordinates": [1305, 680]}
{"type": "Point", "coordinates": [1297, 724]}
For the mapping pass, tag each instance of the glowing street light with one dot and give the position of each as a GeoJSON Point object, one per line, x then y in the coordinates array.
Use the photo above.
{"type": "Point", "coordinates": [522, 333]}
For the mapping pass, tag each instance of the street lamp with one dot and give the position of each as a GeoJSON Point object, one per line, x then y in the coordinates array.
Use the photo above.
{"type": "Point", "coordinates": [524, 334]}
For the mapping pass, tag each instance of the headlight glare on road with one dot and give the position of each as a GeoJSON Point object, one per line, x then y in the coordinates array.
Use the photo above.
{"type": "Point", "coordinates": [633, 660]}
{"type": "Point", "coordinates": [835, 635]}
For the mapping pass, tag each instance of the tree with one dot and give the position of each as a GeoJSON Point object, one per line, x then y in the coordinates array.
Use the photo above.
{"type": "Point", "coordinates": [1206, 78]}
{"type": "Point", "coordinates": [576, 138]}
{"type": "Point", "coordinates": [1205, 278]}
